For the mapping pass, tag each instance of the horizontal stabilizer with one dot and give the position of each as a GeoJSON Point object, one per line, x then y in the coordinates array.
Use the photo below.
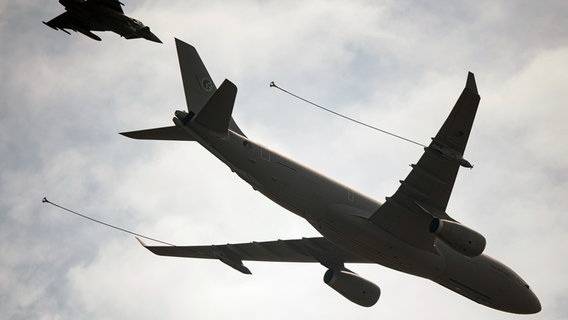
{"type": "Point", "coordinates": [216, 114]}
{"type": "Point", "coordinates": [164, 133]}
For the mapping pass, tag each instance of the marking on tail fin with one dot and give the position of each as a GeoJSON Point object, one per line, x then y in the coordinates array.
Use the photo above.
{"type": "Point", "coordinates": [207, 84]}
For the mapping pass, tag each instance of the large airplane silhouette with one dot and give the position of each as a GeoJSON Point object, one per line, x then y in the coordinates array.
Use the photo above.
{"type": "Point", "coordinates": [411, 232]}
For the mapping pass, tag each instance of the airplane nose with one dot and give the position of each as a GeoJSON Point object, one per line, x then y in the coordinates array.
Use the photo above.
{"type": "Point", "coordinates": [533, 304]}
{"type": "Point", "coordinates": [516, 296]}
{"type": "Point", "coordinates": [527, 304]}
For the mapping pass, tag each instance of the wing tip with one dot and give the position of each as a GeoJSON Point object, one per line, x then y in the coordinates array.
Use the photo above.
{"type": "Point", "coordinates": [470, 83]}
{"type": "Point", "coordinates": [151, 249]}
{"type": "Point", "coordinates": [129, 134]}
{"type": "Point", "coordinates": [141, 242]}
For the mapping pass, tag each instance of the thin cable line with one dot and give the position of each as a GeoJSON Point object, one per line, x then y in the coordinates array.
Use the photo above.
{"type": "Point", "coordinates": [273, 85]}
{"type": "Point", "coordinates": [44, 200]}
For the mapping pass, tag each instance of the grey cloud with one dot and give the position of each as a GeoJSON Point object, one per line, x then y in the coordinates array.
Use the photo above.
{"type": "Point", "coordinates": [64, 98]}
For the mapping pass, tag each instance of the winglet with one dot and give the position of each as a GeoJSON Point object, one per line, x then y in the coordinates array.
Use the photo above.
{"type": "Point", "coordinates": [141, 242]}
{"type": "Point", "coordinates": [231, 259]}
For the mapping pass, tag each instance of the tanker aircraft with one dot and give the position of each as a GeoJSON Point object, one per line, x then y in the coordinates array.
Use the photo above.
{"type": "Point", "coordinates": [410, 232]}
{"type": "Point", "coordinates": [99, 15]}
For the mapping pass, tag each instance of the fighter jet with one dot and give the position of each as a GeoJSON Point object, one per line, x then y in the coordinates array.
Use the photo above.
{"type": "Point", "coordinates": [410, 232]}
{"type": "Point", "coordinates": [99, 15]}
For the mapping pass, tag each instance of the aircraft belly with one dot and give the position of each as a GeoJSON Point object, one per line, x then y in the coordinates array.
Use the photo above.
{"type": "Point", "coordinates": [357, 235]}
{"type": "Point", "coordinates": [310, 195]}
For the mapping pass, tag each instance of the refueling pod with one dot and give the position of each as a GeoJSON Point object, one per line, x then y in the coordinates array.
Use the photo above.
{"type": "Point", "coordinates": [459, 237]}
{"type": "Point", "coordinates": [350, 285]}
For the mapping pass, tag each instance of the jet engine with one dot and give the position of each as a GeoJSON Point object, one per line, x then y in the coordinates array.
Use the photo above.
{"type": "Point", "coordinates": [353, 287]}
{"type": "Point", "coordinates": [458, 236]}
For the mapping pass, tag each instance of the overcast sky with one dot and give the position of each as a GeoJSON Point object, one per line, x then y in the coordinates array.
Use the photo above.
{"type": "Point", "coordinates": [398, 65]}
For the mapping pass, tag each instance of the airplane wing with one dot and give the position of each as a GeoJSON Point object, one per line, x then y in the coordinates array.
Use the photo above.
{"type": "Point", "coordinates": [425, 192]}
{"type": "Point", "coordinates": [111, 4]}
{"type": "Point", "coordinates": [63, 21]}
{"type": "Point", "coordinates": [67, 20]}
{"type": "Point", "coordinates": [299, 250]}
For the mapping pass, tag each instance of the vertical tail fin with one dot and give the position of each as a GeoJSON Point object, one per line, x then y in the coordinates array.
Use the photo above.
{"type": "Point", "coordinates": [197, 83]}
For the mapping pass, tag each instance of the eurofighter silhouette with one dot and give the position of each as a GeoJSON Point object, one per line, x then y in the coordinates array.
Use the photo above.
{"type": "Point", "coordinates": [85, 16]}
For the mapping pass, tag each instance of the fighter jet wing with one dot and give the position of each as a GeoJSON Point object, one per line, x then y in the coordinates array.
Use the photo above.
{"type": "Point", "coordinates": [67, 20]}
{"type": "Point", "coordinates": [112, 4]}
{"type": "Point", "coordinates": [425, 192]}
{"type": "Point", "coordinates": [299, 250]}
{"type": "Point", "coordinates": [63, 21]}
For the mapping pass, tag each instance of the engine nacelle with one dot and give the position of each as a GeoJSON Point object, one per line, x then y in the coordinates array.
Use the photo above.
{"type": "Point", "coordinates": [459, 237]}
{"type": "Point", "coordinates": [353, 287]}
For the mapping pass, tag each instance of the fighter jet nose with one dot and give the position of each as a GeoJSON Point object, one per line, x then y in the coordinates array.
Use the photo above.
{"type": "Point", "coordinates": [148, 35]}
{"type": "Point", "coordinates": [152, 37]}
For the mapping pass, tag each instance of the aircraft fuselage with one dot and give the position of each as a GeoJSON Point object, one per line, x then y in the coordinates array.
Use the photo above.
{"type": "Point", "coordinates": [341, 215]}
